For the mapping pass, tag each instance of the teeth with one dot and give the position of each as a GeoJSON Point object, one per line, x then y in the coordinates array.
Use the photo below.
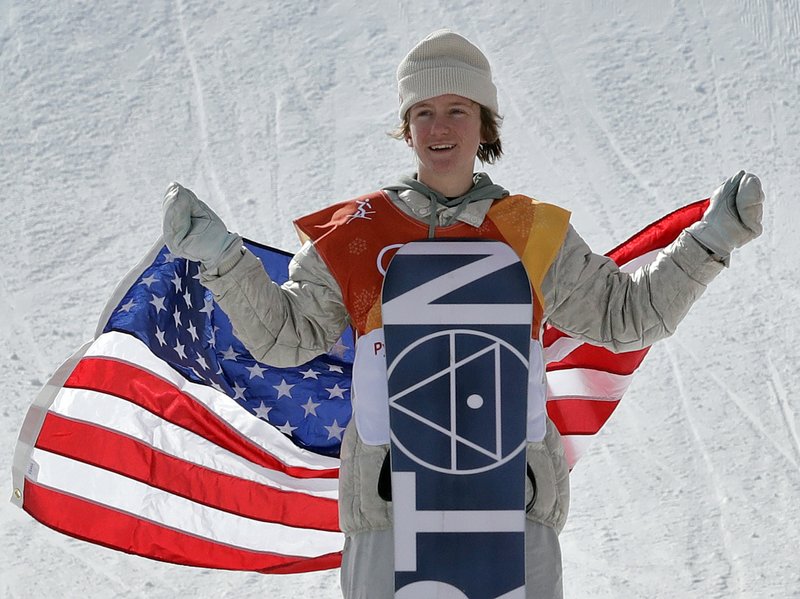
{"type": "Point", "coordinates": [441, 147]}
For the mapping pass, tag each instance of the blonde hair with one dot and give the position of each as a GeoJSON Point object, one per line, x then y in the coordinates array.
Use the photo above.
{"type": "Point", "coordinates": [489, 152]}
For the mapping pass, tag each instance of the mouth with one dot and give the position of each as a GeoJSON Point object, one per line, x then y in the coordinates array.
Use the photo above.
{"type": "Point", "coordinates": [441, 147]}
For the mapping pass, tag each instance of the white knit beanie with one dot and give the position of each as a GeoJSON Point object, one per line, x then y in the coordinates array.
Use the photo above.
{"type": "Point", "coordinates": [445, 63]}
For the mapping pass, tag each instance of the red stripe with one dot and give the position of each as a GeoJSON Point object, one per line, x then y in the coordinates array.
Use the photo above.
{"type": "Point", "coordinates": [579, 416]}
{"type": "Point", "coordinates": [156, 395]}
{"type": "Point", "coordinates": [551, 335]}
{"type": "Point", "coordinates": [132, 458]}
{"type": "Point", "coordinates": [659, 234]}
{"type": "Point", "coordinates": [98, 524]}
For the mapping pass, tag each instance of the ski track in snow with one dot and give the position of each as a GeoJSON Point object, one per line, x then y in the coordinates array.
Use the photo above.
{"type": "Point", "coordinates": [619, 111]}
{"type": "Point", "coordinates": [606, 219]}
{"type": "Point", "coordinates": [201, 119]}
{"type": "Point", "coordinates": [713, 479]}
{"type": "Point", "coordinates": [758, 428]}
{"type": "Point", "coordinates": [789, 416]}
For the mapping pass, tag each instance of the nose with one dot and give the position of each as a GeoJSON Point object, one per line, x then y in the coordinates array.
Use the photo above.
{"type": "Point", "coordinates": [440, 124]}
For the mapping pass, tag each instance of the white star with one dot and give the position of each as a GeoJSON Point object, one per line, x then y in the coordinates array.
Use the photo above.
{"type": "Point", "coordinates": [230, 354]}
{"type": "Point", "coordinates": [238, 391]}
{"type": "Point", "coordinates": [127, 307]}
{"type": "Point", "coordinates": [335, 431]}
{"type": "Point", "coordinates": [196, 276]}
{"type": "Point", "coordinates": [169, 257]}
{"type": "Point", "coordinates": [192, 331]}
{"type": "Point", "coordinates": [335, 391]}
{"type": "Point", "coordinates": [160, 337]}
{"type": "Point", "coordinates": [158, 302]}
{"type": "Point", "coordinates": [256, 371]}
{"type": "Point", "coordinates": [202, 361]}
{"type": "Point", "coordinates": [177, 316]}
{"type": "Point", "coordinates": [217, 386]}
{"type": "Point", "coordinates": [334, 368]}
{"type": "Point", "coordinates": [284, 389]}
{"type": "Point", "coordinates": [179, 349]}
{"type": "Point", "coordinates": [310, 407]}
{"type": "Point", "coordinates": [178, 282]}
{"type": "Point", "coordinates": [148, 280]}
{"type": "Point", "coordinates": [262, 411]}
{"type": "Point", "coordinates": [208, 306]}
{"type": "Point", "coordinates": [338, 349]}
{"type": "Point", "coordinates": [187, 297]}
{"type": "Point", "coordinates": [309, 374]}
{"type": "Point", "coordinates": [286, 429]}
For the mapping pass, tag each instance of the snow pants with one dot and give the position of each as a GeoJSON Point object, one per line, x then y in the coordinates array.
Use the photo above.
{"type": "Point", "coordinates": [368, 564]}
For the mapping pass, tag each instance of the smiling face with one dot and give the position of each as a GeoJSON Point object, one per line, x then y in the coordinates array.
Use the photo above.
{"type": "Point", "coordinates": [445, 132]}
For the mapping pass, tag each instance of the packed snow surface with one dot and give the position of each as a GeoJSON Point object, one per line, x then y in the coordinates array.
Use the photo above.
{"type": "Point", "coordinates": [619, 111]}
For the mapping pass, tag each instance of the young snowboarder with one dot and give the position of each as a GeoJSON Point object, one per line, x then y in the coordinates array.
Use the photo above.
{"type": "Point", "coordinates": [449, 116]}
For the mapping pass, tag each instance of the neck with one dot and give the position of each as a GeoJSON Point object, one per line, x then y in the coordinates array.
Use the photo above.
{"type": "Point", "coordinates": [448, 186]}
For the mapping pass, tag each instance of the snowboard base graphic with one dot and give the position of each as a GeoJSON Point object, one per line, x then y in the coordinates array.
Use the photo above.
{"type": "Point", "coordinates": [457, 323]}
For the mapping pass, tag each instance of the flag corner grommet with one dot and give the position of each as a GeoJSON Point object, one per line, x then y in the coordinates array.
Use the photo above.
{"type": "Point", "coordinates": [18, 493]}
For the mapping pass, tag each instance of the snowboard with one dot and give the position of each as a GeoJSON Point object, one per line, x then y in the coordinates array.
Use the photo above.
{"type": "Point", "coordinates": [457, 323]}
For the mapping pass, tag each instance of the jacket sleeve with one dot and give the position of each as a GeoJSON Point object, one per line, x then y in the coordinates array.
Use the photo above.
{"type": "Point", "coordinates": [588, 297]}
{"type": "Point", "coordinates": [284, 325]}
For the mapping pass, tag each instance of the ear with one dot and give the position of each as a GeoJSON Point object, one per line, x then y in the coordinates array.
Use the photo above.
{"type": "Point", "coordinates": [409, 141]}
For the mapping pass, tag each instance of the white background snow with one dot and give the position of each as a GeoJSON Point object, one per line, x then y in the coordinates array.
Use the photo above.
{"type": "Point", "coordinates": [619, 111]}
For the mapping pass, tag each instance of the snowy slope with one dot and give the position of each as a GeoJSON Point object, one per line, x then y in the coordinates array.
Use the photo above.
{"type": "Point", "coordinates": [619, 111]}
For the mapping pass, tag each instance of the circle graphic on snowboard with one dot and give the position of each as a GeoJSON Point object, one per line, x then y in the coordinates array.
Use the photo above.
{"type": "Point", "coordinates": [429, 588]}
{"type": "Point", "coordinates": [458, 401]}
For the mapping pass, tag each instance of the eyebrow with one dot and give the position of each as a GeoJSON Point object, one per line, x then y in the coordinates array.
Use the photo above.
{"type": "Point", "coordinates": [466, 104]}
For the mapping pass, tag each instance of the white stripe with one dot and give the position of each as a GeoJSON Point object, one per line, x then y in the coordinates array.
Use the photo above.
{"type": "Point", "coordinates": [416, 306]}
{"type": "Point", "coordinates": [560, 349]}
{"type": "Point", "coordinates": [457, 314]}
{"type": "Point", "coordinates": [576, 446]}
{"type": "Point", "coordinates": [455, 521]}
{"type": "Point", "coordinates": [583, 382]}
{"type": "Point", "coordinates": [129, 349]}
{"type": "Point", "coordinates": [149, 503]}
{"type": "Point", "coordinates": [635, 263]}
{"type": "Point", "coordinates": [119, 415]}
{"type": "Point", "coordinates": [409, 521]}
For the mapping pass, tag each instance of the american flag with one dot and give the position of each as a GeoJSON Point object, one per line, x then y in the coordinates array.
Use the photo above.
{"type": "Point", "coordinates": [163, 437]}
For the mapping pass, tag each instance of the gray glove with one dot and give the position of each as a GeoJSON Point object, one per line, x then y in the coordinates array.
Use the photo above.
{"type": "Point", "coordinates": [733, 216]}
{"type": "Point", "coordinates": [192, 230]}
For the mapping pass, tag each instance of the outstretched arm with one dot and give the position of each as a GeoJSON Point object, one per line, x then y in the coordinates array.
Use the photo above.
{"type": "Point", "coordinates": [587, 296]}
{"type": "Point", "coordinates": [283, 325]}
